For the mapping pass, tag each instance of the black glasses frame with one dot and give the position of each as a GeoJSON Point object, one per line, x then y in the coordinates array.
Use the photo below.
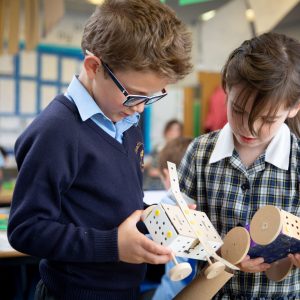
{"type": "Point", "coordinates": [131, 100]}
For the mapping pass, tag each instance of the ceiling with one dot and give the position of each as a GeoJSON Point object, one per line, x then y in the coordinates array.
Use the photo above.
{"type": "Point", "coordinates": [188, 13]}
{"type": "Point", "coordinates": [292, 18]}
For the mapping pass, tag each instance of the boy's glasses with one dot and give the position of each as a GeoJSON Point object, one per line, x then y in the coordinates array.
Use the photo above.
{"type": "Point", "coordinates": [131, 100]}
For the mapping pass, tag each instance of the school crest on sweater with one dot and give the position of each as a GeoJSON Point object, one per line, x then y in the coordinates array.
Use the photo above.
{"type": "Point", "coordinates": [139, 150]}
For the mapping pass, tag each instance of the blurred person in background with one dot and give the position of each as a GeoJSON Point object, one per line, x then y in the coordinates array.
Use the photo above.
{"type": "Point", "coordinates": [217, 113]}
{"type": "Point", "coordinates": [173, 129]}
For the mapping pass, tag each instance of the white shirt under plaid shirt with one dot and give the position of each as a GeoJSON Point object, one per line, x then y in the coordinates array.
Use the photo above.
{"type": "Point", "coordinates": [211, 172]}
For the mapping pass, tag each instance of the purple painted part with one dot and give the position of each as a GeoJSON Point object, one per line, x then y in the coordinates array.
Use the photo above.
{"type": "Point", "coordinates": [252, 243]}
{"type": "Point", "coordinates": [276, 250]}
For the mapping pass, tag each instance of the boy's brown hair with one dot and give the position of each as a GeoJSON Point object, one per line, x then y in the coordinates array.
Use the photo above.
{"type": "Point", "coordinates": [139, 35]}
{"type": "Point", "coordinates": [173, 151]}
{"type": "Point", "coordinates": [267, 68]}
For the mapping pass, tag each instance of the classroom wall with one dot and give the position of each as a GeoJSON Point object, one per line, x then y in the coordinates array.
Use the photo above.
{"type": "Point", "coordinates": [21, 77]}
{"type": "Point", "coordinates": [68, 31]}
{"type": "Point", "coordinates": [220, 35]}
{"type": "Point", "coordinates": [213, 41]}
{"type": "Point", "coordinates": [30, 80]}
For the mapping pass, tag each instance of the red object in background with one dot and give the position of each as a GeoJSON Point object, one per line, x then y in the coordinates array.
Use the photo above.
{"type": "Point", "coordinates": [217, 114]}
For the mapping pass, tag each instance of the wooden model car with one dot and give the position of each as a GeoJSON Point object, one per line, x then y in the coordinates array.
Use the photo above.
{"type": "Point", "coordinates": [187, 232]}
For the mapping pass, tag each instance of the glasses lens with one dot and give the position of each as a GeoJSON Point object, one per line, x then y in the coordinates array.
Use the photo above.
{"type": "Point", "coordinates": [134, 100]}
{"type": "Point", "coordinates": [154, 99]}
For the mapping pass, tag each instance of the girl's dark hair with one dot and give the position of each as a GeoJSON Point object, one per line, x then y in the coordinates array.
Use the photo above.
{"type": "Point", "coordinates": [267, 68]}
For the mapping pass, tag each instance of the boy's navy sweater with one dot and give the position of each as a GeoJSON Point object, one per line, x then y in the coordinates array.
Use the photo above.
{"type": "Point", "coordinates": [76, 185]}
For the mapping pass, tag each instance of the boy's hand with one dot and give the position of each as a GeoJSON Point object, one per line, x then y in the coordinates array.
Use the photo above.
{"type": "Point", "coordinates": [253, 265]}
{"type": "Point", "coordinates": [192, 206]}
{"type": "Point", "coordinates": [136, 248]}
{"type": "Point", "coordinates": [295, 259]}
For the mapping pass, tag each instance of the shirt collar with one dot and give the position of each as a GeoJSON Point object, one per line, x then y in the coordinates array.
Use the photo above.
{"type": "Point", "coordinates": [224, 146]}
{"type": "Point", "coordinates": [87, 106]}
{"type": "Point", "coordinates": [277, 152]}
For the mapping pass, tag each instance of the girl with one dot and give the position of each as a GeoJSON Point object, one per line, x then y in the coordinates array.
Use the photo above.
{"type": "Point", "coordinates": [253, 161]}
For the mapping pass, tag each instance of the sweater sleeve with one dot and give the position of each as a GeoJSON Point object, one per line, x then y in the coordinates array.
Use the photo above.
{"type": "Point", "coordinates": [47, 159]}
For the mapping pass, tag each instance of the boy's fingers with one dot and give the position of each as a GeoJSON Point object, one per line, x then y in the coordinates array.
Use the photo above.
{"type": "Point", "coordinates": [192, 206]}
{"type": "Point", "coordinates": [154, 248]}
{"type": "Point", "coordinates": [136, 216]}
{"type": "Point", "coordinates": [155, 259]}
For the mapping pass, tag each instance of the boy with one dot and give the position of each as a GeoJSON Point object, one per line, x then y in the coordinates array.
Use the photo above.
{"type": "Point", "coordinates": [79, 193]}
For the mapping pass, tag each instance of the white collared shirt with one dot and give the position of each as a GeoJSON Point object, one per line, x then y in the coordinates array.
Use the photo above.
{"type": "Point", "coordinates": [277, 152]}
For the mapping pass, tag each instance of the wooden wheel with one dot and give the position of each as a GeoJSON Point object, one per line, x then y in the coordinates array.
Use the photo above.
{"type": "Point", "coordinates": [180, 271]}
{"type": "Point", "coordinates": [214, 269]}
{"type": "Point", "coordinates": [266, 225]}
{"type": "Point", "coordinates": [279, 269]}
{"type": "Point", "coordinates": [236, 245]}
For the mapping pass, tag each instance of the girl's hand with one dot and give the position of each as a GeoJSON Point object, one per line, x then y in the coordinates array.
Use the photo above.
{"type": "Point", "coordinates": [295, 259]}
{"type": "Point", "coordinates": [254, 265]}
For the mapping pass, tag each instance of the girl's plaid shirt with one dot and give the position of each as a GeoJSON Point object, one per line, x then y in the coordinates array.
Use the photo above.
{"type": "Point", "coordinates": [217, 188]}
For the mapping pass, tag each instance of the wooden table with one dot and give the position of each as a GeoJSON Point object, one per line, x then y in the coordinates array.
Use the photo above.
{"type": "Point", "coordinates": [6, 250]}
{"type": "Point", "coordinates": [18, 272]}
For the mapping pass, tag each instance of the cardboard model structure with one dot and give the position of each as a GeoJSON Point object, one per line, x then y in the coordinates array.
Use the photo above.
{"type": "Point", "coordinates": [187, 232]}
{"type": "Point", "coordinates": [272, 234]}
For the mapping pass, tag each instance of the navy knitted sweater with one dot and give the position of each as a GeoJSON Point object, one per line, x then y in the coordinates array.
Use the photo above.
{"type": "Point", "coordinates": [76, 185]}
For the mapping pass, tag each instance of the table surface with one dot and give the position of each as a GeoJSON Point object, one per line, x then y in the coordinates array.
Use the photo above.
{"type": "Point", "coordinates": [6, 250]}
{"type": "Point", "coordinates": [5, 197]}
